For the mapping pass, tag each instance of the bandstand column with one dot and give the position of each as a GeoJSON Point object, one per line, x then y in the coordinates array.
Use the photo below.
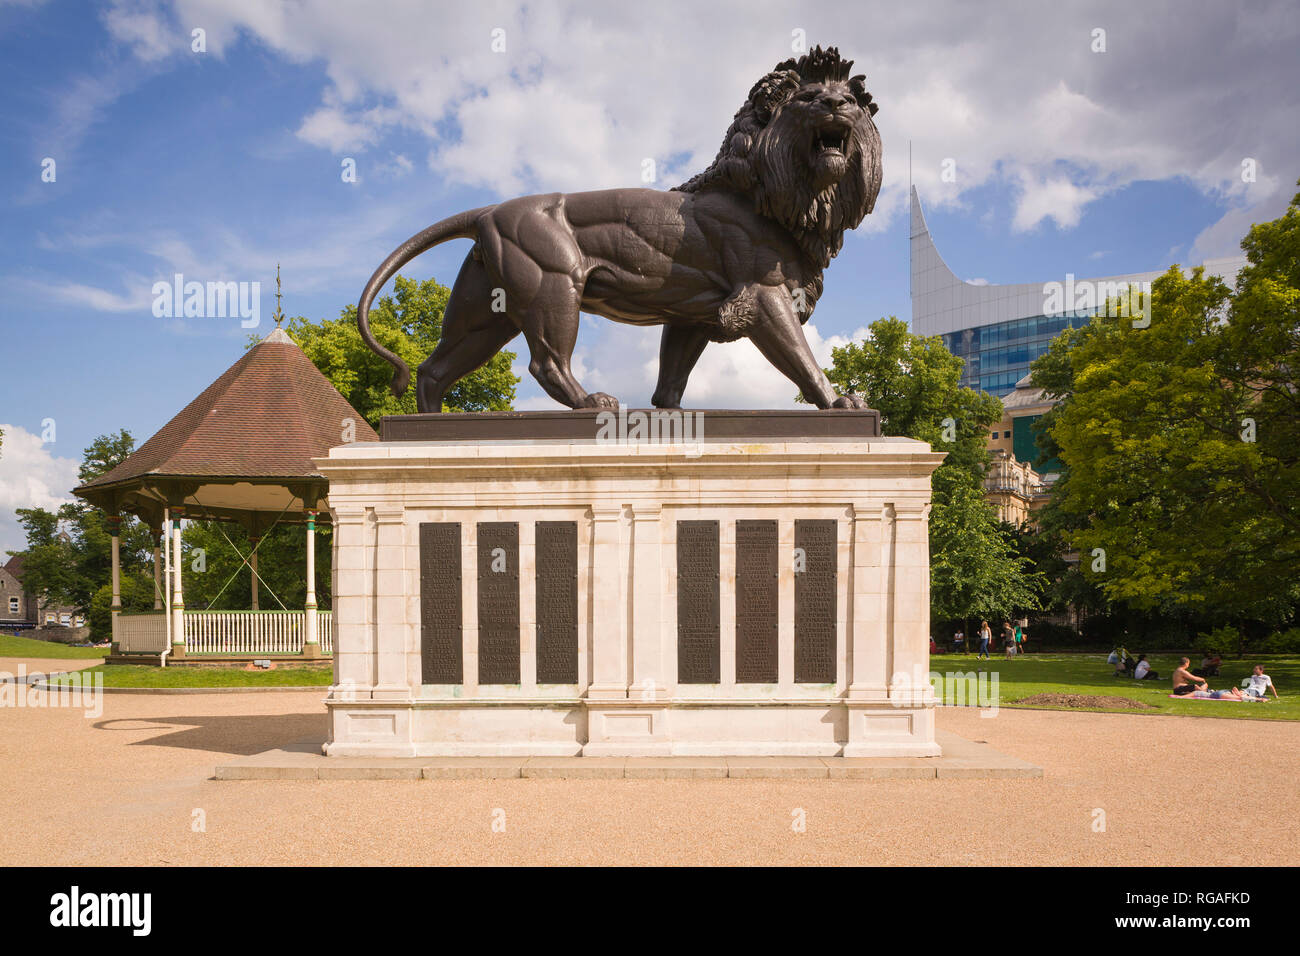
{"type": "Point", "coordinates": [178, 600]}
{"type": "Point", "coordinates": [252, 564]}
{"type": "Point", "coordinates": [156, 534]}
{"type": "Point", "coordinates": [115, 529]}
{"type": "Point", "coordinates": [311, 643]}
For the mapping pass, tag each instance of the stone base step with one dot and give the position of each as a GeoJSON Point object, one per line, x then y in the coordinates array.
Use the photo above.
{"type": "Point", "coordinates": [961, 759]}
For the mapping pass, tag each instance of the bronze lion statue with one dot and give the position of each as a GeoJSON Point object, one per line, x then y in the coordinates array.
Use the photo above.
{"type": "Point", "coordinates": [738, 251]}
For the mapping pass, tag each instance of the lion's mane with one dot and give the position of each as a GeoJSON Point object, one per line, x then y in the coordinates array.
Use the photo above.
{"type": "Point", "coordinates": [775, 171]}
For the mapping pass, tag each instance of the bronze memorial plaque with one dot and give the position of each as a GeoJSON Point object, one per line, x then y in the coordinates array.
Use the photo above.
{"type": "Point", "coordinates": [814, 602]}
{"type": "Point", "coordinates": [441, 653]}
{"type": "Point", "coordinates": [699, 624]}
{"type": "Point", "coordinates": [498, 602]}
{"type": "Point", "coordinates": [557, 602]}
{"type": "Point", "coordinates": [756, 602]}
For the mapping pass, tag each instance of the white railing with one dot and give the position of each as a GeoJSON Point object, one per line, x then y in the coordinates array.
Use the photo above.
{"type": "Point", "coordinates": [325, 631]}
{"type": "Point", "coordinates": [226, 632]}
{"type": "Point", "coordinates": [141, 633]}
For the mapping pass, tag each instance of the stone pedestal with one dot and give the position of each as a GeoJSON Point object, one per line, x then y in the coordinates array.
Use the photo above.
{"type": "Point", "coordinates": [718, 595]}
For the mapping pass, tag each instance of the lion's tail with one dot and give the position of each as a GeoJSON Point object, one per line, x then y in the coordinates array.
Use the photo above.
{"type": "Point", "coordinates": [463, 225]}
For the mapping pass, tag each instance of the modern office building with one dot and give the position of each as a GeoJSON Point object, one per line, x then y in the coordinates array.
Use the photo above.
{"type": "Point", "coordinates": [999, 329]}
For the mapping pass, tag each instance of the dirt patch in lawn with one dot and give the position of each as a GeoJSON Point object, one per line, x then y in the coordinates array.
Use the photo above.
{"type": "Point", "coordinates": [1082, 700]}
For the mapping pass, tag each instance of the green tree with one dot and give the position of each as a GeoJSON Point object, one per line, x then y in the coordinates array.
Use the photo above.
{"type": "Point", "coordinates": [915, 384]}
{"type": "Point", "coordinates": [68, 557]}
{"type": "Point", "coordinates": [221, 581]}
{"type": "Point", "coordinates": [409, 322]}
{"type": "Point", "coordinates": [1181, 440]}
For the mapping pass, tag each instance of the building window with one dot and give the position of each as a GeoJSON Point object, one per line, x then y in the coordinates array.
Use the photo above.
{"type": "Point", "coordinates": [13, 605]}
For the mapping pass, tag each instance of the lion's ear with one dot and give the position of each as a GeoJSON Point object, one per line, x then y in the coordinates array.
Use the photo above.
{"type": "Point", "coordinates": [771, 91]}
{"type": "Point", "coordinates": [858, 85]}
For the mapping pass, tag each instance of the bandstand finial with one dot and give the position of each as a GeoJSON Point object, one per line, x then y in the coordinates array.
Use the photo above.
{"type": "Point", "coordinates": [279, 313]}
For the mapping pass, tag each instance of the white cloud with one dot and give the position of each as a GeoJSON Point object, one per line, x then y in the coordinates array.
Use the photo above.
{"type": "Point", "coordinates": [144, 30]}
{"type": "Point", "coordinates": [31, 476]}
{"type": "Point", "coordinates": [728, 375]}
{"type": "Point", "coordinates": [1223, 237]}
{"type": "Point", "coordinates": [584, 92]}
{"type": "Point", "coordinates": [1057, 199]}
{"type": "Point", "coordinates": [137, 298]}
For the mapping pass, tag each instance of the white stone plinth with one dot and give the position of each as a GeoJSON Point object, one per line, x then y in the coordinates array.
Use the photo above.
{"type": "Point", "coordinates": [626, 502]}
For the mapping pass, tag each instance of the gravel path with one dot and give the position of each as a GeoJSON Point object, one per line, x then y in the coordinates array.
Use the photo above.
{"type": "Point", "coordinates": [123, 788]}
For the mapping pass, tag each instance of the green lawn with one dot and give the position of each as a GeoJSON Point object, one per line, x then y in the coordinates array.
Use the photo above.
{"type": "Point", "coordinates": [1030, 674]}
{"type": "Point", "coordinates": [140, 675]}
{"type": "Point", "coordinates": [11, 646]}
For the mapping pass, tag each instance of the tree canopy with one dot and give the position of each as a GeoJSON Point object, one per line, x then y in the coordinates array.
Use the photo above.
{"type": "Point", "coordinates": [1181, 440]}
{"type": "Point", "coordinates": [409, 322]}
{"type": "Point", "coordinates": [915, 384]}
{"type": "Point", "coordinates": [68, 558]}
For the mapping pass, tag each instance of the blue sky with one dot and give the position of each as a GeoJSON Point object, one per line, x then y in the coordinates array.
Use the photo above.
{"type": "Point", "coordinates": [219, 164]}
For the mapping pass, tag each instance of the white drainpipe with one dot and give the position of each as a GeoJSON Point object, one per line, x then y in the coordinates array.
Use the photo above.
{"type": "Point", "coordinates": [167, 578]}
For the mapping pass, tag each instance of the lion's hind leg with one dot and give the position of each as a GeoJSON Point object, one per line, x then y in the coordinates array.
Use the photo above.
{"type": "Point", "coordinates": [471, 335]}
{"type": "Point", "coordinates": [550, 323]}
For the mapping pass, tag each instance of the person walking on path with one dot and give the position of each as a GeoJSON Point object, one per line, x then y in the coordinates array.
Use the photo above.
{"type": "Point", "coordinates": [986, 635]}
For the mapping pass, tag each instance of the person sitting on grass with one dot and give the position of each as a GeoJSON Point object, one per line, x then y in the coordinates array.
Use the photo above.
{"type": "Point", "coordinates": [1143, 671]}
{"type": "Point", "coordinates": [1209, 665]}
{"type": "Point", "coordinates": [1258, 683]}
{"type": "Point", "coordinates": [1185, 682]}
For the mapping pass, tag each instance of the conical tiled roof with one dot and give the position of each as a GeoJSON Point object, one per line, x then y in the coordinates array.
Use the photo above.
{"type": "Point", "coordinates": [267, 417]}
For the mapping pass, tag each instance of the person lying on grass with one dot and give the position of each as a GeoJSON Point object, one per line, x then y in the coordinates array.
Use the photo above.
{"type": "Point", "coordinates": [1231, 693]}
{"type": "Point", "coordinates": [1185, 682]}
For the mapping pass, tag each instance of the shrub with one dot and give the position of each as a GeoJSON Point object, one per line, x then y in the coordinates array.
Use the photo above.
{"type": "Point", "coordinates": [1222, 640]}
{"type": "Point", "coordinates": [1284, 642]}
{"type": "Point", "coordinates": [137, 595]}
{"type": "Point", "coordinates": [1046, 635]}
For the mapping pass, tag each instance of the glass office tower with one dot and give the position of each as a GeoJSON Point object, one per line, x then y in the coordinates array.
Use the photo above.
{"type": "Point", "coordinates": [998, 329]}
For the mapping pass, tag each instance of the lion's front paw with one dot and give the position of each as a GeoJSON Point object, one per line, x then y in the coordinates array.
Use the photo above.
{"type": "Point", "coordinates": [849, 401]}
{"type": "Point", "coordinates": [599, 400]}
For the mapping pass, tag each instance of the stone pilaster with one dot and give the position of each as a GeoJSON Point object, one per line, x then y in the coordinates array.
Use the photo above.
{"type": "Point", "coordinates": [873, 532]}
{"type": "Point", "coordinates": [392, 637]}
{"type": "Point", "coordinates": [649, 678]}
{"type": "Point", "coordinates": [609, 607]}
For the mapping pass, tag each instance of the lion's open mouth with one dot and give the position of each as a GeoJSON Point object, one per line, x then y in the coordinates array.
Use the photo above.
{"type": "Point", "coordinates": [831, 139]}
